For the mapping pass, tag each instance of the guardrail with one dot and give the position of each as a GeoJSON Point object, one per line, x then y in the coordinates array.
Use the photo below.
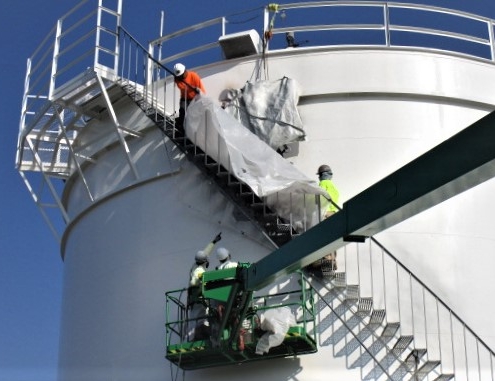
{"type": "Point", "coordinates": [421, 313]}
{"type": "Point", "coordinates": [88, 37]}
{"type": "Point", "coordinates": [338, 24]}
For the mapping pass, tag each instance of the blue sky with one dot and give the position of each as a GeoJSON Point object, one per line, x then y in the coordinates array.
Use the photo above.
{"type": "Point", "coordinates": [31, 270]}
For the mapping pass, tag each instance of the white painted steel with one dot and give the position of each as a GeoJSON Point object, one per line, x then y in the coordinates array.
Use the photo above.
{"type": "Point", "coordinates": [367, 112]}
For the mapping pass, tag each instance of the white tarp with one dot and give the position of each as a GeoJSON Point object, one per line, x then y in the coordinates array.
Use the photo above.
{"type": "Point", "coordinates": [276, 322]}
{"type": "Point", "coordinates": [289, 192]}
{"type": "Point", "coordinates": [269, 110]}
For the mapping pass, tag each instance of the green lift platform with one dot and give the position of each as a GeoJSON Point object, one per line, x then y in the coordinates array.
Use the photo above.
{"type": "Point", "coordinates": [236, 320]}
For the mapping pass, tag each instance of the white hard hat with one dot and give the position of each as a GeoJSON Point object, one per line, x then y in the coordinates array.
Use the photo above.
{"type": "Point", "coordinates": [222, 253]}
{"type": "Point", "coordinates": [201, 256]}
{"type": "Point", "coordinates": [179, 69]}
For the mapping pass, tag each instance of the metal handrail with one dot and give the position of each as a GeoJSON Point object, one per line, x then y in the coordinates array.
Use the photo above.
{"type": "Point", "coordinates": [420, 282]}
{"type": "Point", "coordinates": [385, 25]}
{"type": "Point", "coordinates": [448, 345]}
{"type": "Point", "coordinates": [431, 292]}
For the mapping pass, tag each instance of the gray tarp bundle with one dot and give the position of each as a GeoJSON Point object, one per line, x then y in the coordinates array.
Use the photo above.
{"type": "Point", "coordinates": [269, 110]}
{"type": "Point", "coordinates": [289, 192]}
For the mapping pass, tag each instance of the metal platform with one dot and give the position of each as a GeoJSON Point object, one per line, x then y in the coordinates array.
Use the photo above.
{"type": "Point", "coordinates": [201, 354]}
{"type": "Point", "coordinates": [238, 322]}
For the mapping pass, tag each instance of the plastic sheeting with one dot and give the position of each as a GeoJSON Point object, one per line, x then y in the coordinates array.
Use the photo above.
{"type": "Point", "coordinates": [269, 110]}
{"type": "Point", "coordinates": [289, 192]}
{"type": "Point", "coordinates": [276, 322]}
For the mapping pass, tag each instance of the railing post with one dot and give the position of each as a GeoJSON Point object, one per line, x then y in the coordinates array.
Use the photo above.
{"type": "Point", "coordinates": [492, 42]}
{"type": "Point", "coordinates": [25, 98]}
{"type": "Point", "coordinates": [117, 39]}
{"type": "Point", "coordinates": [386, 24]}
{"type": "Point", "coordinates": [56, 50]}
{"type": "Point", "coordinates": [97, 36]}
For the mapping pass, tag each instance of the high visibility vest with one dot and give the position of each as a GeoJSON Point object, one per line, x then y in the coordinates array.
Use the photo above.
{"type": "Point", "coordinates": [332, 191]}
{"type": "Point", "coordinates": [227, 265]}
{"type": "Point", "coordinates": [196, 275]}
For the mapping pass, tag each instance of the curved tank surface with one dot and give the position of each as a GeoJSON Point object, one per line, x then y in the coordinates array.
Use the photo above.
{"type": "Point", "coordinates": [135, 221]}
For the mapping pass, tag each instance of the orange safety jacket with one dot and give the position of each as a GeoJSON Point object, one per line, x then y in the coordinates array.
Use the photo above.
{"type": "Point", "coordinates": [194, 81]}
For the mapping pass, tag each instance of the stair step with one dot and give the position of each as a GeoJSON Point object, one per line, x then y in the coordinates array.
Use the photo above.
{"type": "Point", "coordinates": [402, 344]}
{"type": "Point", "coordinates": [211, 164]}
{"type": "Point", "coordinates": [339, 280]}
{"type": "Point", "coordinates": [223, 172]}
{"type": "Point", "coordinates": [246, 194]}
{"type": "Point", "coordinates": [391, 358]}
{"type": "Point", "coordinates": [390, 329]}
{"type": "Point", "coordinates": [444, 377]}
{"type": "Point", "coordinates": [327, 267]}
{"type": "Point", "coordinates": [352, 292]}
{"type": "Point", "coordinates": [415, 355]}
{"type": "Point", "coordinates": [376, 319]}
{"type": "Point", "coordinates": [364, 306]}
{"type": "Point", "coordinates": [424, 370]}
{"type": "Point", "coordinates": [234, 182]}
{"type": "Point", "coordinates": [282, 228]}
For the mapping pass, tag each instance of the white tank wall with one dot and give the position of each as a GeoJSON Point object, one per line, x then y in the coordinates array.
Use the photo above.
{"type": "Point", "coordinates": [366, 114]}
{"type": "Point", "coordinates": [120, 258]}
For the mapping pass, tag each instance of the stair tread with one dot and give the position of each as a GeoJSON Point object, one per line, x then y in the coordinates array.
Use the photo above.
{"type": "Point", "coordinates": [390, 329]}
{"type": "Point", "coordinates": [425, 369]}
{"type": "Point", "coordinates": [364, 306]}
{"type": "Point", "coordinates": [352, 292]}
{"type": "Point", "coordinates": [444, 377]}
{"type": "Point", "coordinates": [377, 318]}
{"type": "Point", "coordinates": [415, 354]}
{"type": "Point", "coordinates": [402, 344]}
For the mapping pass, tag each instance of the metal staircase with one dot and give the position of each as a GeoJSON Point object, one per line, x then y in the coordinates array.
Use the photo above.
{"type": "Point", "coordinates": [407, 334]}
{"type": "Point", "coordinates": [247, 202]}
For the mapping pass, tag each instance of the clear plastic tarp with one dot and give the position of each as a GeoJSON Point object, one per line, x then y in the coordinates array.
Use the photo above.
{"type": "Point", "coordinates": [288, 191]}
{"type": "Point", "coordinates": [268, 109]}
{"type": "Point", "coordinates": [276, 322]}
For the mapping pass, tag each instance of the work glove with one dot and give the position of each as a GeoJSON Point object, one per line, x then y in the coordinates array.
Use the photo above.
{"type": "Point", "coordinates": [217, 238]}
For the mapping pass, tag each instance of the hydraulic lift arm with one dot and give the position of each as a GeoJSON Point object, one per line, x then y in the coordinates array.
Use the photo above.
{"type": "Point", "coordinates": [456, 165]}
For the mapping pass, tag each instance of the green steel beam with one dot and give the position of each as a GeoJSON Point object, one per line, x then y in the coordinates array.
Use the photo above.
{"type": "Point", "coordinates": [456, 165]}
